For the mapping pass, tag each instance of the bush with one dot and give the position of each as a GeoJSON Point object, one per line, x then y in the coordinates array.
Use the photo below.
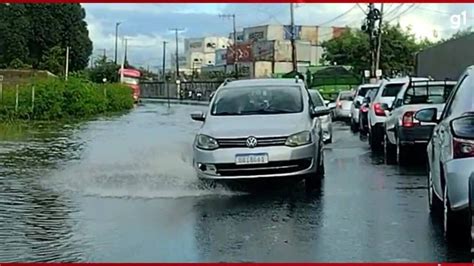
{"type": "Point", "coordinates": [58, 99]}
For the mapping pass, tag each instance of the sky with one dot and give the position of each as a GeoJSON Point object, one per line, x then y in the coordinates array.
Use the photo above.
{"type": "Point", "coordinates": [146, 26]}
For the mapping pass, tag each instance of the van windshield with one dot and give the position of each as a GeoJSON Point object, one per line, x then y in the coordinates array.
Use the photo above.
{"type": "Point", "coordinates": [258, 100]}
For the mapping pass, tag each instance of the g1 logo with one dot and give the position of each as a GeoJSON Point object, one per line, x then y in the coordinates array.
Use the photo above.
{"type": "Point", "coordinates": [459, 20]}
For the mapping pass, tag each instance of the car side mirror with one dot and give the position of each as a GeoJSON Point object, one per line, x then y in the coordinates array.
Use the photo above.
{"type": "Point", "coordinates": [357, 104]}
{"type": "Point", "coordinates": [332, 105]}
{"type": "Point", "coordinates": [198, 116]}
{"type": "Point", "coordinates": [366, 100]}
{"type": "Point", "coordinates": [385, 107]}
{"type": "Point", "coordinates": [327, 102]}
{"type": "Point", "coordinates": [428, 115]}
{"type": "Point", "coordinates": [320, 111]}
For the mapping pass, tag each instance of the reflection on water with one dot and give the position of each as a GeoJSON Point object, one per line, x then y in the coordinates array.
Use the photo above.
{"type": "Point", "coordinates": [35, 222]}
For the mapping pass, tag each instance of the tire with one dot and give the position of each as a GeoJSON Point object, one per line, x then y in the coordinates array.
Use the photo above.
{"type": "Point", "coordinates": [375, 140]}
{"type": "Point", "coordinates": [354, 127]}
{"type": "Point", "coordinates": [314, 180]}
{"type": "Point", "coordinates": [328, 140]}
{"type": "Point", "coordinates": [402, 153]}
{"type": "Point", "coordinates": [455, 224]}
{"type": "Point", "coordinates": [435, 205]}
{"type": "Point", "coordinates": [390, 151]}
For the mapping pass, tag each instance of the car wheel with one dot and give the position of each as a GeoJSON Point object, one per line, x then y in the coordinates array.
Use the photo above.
{"type": "Point", "coordinates": [329, 140]}
{"type": "Point", "coordinates": [354, 127]}
{"type": "Point", "coordinates": [321, 170]}
{"type": "Point", "coordinates": [375, 140]}
{"type": "Point", "coordinates": [390, 151]}
{"type": "Point", "coordinates": [434, 203]}
{"type": "Point", "coordinates": [402, 153]}
{"type": "Point", "coordinates": [314, 180]}
{"type": "Point", "coordinates": [455, 224]}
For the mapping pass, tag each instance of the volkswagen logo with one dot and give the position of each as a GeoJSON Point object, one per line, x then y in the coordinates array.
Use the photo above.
{"type": "Point", "coordinates": [251, 142]}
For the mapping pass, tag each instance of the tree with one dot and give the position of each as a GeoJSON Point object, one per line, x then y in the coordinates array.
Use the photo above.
{"type": "Point", "coordinates": [398, 50]}
{"type": "Point", "coordinates": [461, 33]}
{"type": "Point", "coordinates": [104, 69]}
{"type": "Point", "coordinates": [54, 60]}
{"type": "Point", "coordinates": [29, 32]}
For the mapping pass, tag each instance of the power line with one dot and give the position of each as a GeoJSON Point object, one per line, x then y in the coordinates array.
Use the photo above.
{"type": "Point", "coordinates": [338, 17]}
{"type": "Point", "coordinates": [403, 12]}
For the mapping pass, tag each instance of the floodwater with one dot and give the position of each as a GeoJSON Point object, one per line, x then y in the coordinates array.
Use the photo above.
{"type": "Point", "coordinates": [122, 189]}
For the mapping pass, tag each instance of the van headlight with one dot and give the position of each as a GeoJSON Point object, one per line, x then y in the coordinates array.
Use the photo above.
{"type": "Point", "coordinates": [206, 143]}
{"type": "Point", "coordinates": [299, 139]}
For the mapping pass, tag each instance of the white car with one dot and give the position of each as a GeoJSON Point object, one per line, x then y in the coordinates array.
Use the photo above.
{"type": "Point", "coordinates": [343, 105]}
{"type": "Point", "coordinates": [377, 112]}
{"type": "Point", "coordinates": [360, 94]}
{"type": "Point", "coordinates": [451, 158]}
{"type": "Point", "coordinates": [402, 131]}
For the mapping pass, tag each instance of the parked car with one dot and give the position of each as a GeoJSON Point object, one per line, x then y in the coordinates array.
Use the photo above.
{"type": "Point", "coordinates": [402, 130]}
{"type": "Point", "coordinates": [326, 120]}
{"type": "Point", "coordinates": [381, 102]}
{"type": "Point", "coordinates": [343, 105]}
{"type": "Point", "coordinates": [451, 156]}
{"type": "Point", "coordinates": [360, 93]}
{"type": "Point", "coordinates": [364, 110]}
{"type": "Point", "coordinates": [260, 128]}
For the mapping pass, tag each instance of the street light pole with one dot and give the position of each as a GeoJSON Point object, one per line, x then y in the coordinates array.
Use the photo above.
{"type": "Point", "coordinates": [293, 46]}
{"type": "Point", "coordinates": [117, 24]}
{"type": "Point", "coordinates": [163, 74]}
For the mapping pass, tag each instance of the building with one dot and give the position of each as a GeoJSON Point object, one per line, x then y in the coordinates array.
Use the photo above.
{"type": "Point", "coordinates": [441, 62]}
{"type": "Point", "coordinates": [200, 52]}
{"type": "Point", "coordinates": [266, 50]}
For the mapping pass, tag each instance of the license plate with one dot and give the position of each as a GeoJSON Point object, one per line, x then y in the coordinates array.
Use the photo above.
{"type": "Point", "coordinates": [251, 159]}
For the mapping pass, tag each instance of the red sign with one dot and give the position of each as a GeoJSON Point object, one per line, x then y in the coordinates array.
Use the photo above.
{"type": "Point", "coordinates": [243, 53]}
{"type": "Point", "coordinates": [127, 72]}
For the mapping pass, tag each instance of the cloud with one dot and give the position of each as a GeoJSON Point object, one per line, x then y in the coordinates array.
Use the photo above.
{"type": "Point", "coordinates": [147, 25]}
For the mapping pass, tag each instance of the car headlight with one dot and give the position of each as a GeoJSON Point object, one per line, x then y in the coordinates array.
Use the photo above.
{"type": "Point", "coordinates": [299, 139]}
{"type": "Point", "coordinates": [206, 143]}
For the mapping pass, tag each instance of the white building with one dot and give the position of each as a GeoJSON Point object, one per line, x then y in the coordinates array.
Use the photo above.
{"type": "Point", "coordinates": [201, 52]}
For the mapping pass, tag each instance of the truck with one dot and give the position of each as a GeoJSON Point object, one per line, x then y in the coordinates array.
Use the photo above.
{"type": "Point", "coordinates": [131, 77]}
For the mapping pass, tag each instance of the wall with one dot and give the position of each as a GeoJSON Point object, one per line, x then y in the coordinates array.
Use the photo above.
{"type": "Point", "coordinates": [442, 61]}
{"type": "Point", "coordinates": [193, 45]}
{"type": "Point", "coordinates": [220, 57]}
{"type": "Point", "coordinates": [263, 69]}
{"type": "Point", "coordinates": [255, 33]}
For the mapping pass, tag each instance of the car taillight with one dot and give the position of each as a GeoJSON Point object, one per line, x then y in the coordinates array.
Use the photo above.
{"type": "Point", "coordinates": [379, 111]}
{"type": "Point", "coordinates": [463, 136]}
{"type": "Point", "coordinates": [462, 148]}
{"type": "Point", "coordinates": [338, 104]}
{"type": "Point", "coordinates": [408, 119]}
{"type": "Point", "coordinates": [364, 109]}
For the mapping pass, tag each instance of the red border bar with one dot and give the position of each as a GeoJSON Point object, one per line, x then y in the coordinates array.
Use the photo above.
{"type": "Point", "coordinates": [245, 264]}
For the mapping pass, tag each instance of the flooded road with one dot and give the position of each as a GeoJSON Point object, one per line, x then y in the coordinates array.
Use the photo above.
{"type": "Point", "coordinates": [122, 189]}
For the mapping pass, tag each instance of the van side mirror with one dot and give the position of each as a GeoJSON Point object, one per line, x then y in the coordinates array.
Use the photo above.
{"type": "Point", "coordinates": [366, 100]}
{"type": "Point", "coordinates": [428, 115]}
{"type": "Point", "coordinates": [198, 116]}
{"type": "Point", "coordinates": [320, 111]}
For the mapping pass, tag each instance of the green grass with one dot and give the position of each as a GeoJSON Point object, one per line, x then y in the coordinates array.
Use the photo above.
{"type": "Point", "coordinates": [55, 99]}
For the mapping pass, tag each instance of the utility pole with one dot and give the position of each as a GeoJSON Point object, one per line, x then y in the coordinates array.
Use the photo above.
{"type": "Point", "coordinates": [123, 62]}
{"type": "Point", "coordinates": [379, 41]}
{"type": "Point", "coordinates": [126, 48]}
{"type": "Point", "coordinates": [105, 53]}
{"type": "Point", "coordinates": [176, 31]}
{"type": "Point", "coordinates": [163, 73]}
{"type": "Point", "coordinates": [67, 63]}
{"type": "Point", "coordinates": [234, 45]}
{"type": "Point", "coordinates": [117, 24]}
{"type": "Point", "coordinates": [369, 27]}
{"type": "Point", "coordinates": [293, 46]}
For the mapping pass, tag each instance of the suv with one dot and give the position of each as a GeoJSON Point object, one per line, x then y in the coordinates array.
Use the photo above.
{"type": "Point", "coordinates": [380, 104]}
{"type": "Point", "coordinates": [263, 128]}
{"type": "Point", "coordinates": [360, 94]}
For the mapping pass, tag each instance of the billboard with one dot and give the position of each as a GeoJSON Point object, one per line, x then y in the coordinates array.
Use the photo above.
{"type": "Point", "coordinates": [287, 30]}
{"type": "Point", "coordinates": [263, 50]}
{"type": "Point", "coordinates": [243, 53]}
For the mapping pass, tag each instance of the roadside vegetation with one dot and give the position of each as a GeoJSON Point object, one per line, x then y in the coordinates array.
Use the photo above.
{"type": "Point", "coordinates": [56, 99]}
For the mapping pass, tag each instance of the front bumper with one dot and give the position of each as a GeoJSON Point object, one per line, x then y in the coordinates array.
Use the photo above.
{"type": "Point", "coordinates": [457, 173]}
{"type": "Point", "coordinates": [283, 161]}
{"type": "Point", "coordinates": [415, 135]}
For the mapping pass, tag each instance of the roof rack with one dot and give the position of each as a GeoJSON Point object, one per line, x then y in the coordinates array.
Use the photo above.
{"type": "Point", "coordinates": [226, 81]}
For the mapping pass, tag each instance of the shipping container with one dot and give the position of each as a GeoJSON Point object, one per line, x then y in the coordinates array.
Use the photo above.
{"type": "Point", "coordinates": [243, 53]}
{"type": "Point", "coordinates": [263, 69]}
{"type": "Point", "coordinates": [220, 57]}
{"type": "Point", "coordinates": [263, 50]}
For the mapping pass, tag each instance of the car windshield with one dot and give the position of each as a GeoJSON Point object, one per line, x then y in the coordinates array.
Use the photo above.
{"type": "Point", "coordinates": [258, 100]}
{"type": "Point", "coordinates": [431, 94]}
{"type": "Point", "coordinates": [316, 98]}
{"type": "Point", "coordinates": [346, 97]}
{"type": "Point", "coordinates": [391, 90]}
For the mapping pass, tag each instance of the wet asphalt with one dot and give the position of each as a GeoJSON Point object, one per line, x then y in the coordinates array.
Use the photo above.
{"type": "Point", "coordinates": [121, 189]}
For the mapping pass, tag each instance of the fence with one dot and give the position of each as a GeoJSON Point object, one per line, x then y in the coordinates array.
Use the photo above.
{"type": "Point", "coordinates": [330, 86]}
{"type": "Point", "coordinates": [162, 90]}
